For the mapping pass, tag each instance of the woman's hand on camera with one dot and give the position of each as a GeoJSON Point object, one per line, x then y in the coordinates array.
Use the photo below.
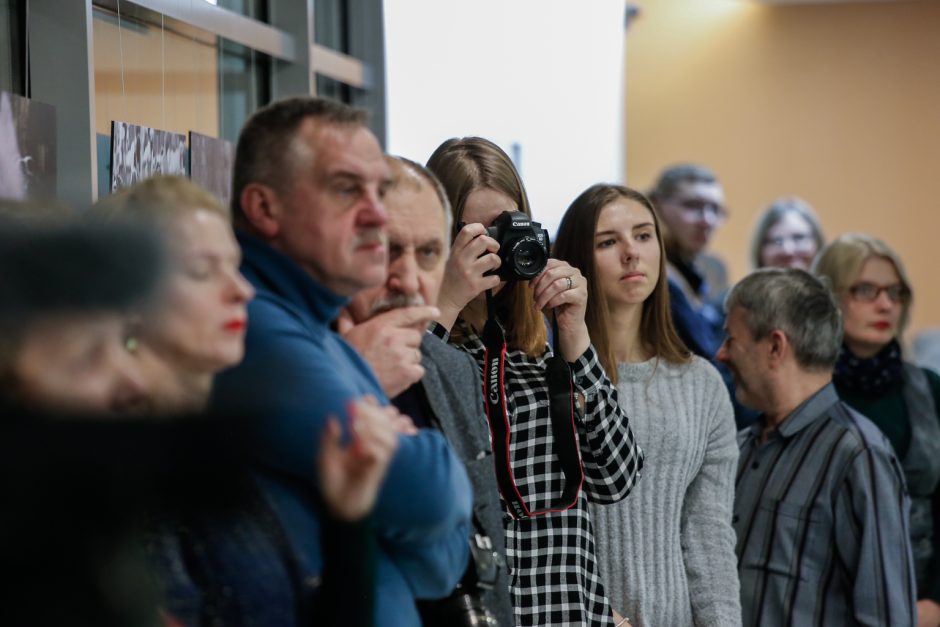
{"type": "Point", "coordinates": [561, 288]}
{"type": "Point", "coordinates": [472, 255]}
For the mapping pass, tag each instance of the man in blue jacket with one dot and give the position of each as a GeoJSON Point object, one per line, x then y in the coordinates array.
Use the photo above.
{"type": "Point", "coordinates": [309, 179]}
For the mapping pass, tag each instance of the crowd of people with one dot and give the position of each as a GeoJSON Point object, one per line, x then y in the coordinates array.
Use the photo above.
{"type": "Point", "coordinates": [371, 393]}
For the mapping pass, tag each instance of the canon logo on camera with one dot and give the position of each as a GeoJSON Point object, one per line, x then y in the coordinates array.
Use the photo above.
{"type": "Point", "coordinates": [494, 381]}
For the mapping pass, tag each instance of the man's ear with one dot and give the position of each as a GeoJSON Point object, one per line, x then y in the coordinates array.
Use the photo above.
{"type": "Point", "coordinates": [262, 209]}
{"type": "Point", "coordinates": [778, 347]}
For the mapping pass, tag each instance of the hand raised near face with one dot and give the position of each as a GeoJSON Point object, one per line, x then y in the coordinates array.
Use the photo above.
{"type": "Point", "coordinates": [391, 343]}
{"type": "Point", "coordinates": [350, 476]}
{"type": "Point", "coordinates": [472, 255]}
{"type": "Point", "coordinates": [561, 288]}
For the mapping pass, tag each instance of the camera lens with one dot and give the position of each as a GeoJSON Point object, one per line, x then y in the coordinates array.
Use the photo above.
{"type": "Point", "coordinates": [528, 258]}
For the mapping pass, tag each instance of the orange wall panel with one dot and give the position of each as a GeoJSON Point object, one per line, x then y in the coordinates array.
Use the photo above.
{"type": "Point", "coordinates": [836, 103]}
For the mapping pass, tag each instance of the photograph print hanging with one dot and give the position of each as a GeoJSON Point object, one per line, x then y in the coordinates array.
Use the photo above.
{"type": "Point", "coordinates": [210, 164]}
{"type": "Point", "coordinates": [139, 152]}
{"type": "Point", "coordinates": [27, 148]}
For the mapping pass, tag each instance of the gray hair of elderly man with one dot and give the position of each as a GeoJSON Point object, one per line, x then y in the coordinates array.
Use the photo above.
{"type": "Point", "coordinates": [408, 172]}
{"type": "Point", "coordinates": [797, 303]}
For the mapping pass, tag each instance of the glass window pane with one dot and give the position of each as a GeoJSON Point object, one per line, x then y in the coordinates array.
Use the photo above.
{"type": "Point", "coordinates": [256, 9]}
{"type": "Point", "coordinates": [331, 24]}
{"type": "Point", "coordinates": [331, 88]}
{"type": "Point", "coordinates": [243, 81]}
{"type": "Point", "coordinates": [12, 46]}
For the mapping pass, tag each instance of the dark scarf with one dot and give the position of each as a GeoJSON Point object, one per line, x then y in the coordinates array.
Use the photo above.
{"type": "Point", "coordinates": [873, 376]}
{"type": "Point", "coordinates": [689, 272]}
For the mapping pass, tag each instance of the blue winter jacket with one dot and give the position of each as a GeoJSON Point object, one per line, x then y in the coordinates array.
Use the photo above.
{"type": "Point", "coordinates": [296, 373]}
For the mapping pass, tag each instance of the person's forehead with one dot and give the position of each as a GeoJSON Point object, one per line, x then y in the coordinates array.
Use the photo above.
{"type": "Point", "coordinates": [415, 214]}
{"type": "Point", "coordinates": [623, 212]}
{"type": "Point", "coordinates": [791, 221]}
{"type": "Point", "coordinates": [701, 190]}
{"type": "Point", "coordinates": [350, 149]}
{"type": "Point", "coordinates": [735, 321]}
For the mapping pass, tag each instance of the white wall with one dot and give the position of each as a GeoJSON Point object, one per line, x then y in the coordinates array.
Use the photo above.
{"type": "Point", "coordinates": [546, 74]}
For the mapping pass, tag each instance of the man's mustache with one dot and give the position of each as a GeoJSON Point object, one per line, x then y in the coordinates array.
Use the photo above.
{"type": "Point", "coordinates": [371, 236]}
{"type": "Point", "coordinates": [396, 301]}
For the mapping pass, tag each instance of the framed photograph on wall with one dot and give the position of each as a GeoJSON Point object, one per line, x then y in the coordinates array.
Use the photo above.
{"type": "Point", "coordinates": [210, 164]}
{"type": "Point", "coordinates": [27, 148]}
{"type": "Point", "coordinates": [139, 152]}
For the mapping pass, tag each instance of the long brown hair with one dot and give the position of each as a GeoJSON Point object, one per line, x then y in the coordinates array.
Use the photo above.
{"type": "Point", "coordinates": [464, 166]}
{"type": "Point", "coordinates": [575, 244]}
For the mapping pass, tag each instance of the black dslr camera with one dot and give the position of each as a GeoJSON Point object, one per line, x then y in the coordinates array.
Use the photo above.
{"type": "Point", "coordinates": [523, 246]}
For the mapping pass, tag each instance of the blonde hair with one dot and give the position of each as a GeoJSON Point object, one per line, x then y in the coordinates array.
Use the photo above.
{"type": "Point", "coordinates": [161, 198]}
{"type": "Point", "coordinates": [842, 259]}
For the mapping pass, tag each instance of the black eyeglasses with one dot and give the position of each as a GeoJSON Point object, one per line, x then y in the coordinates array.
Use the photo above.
{"type": "Point", "coordinates": [869, 292]}
{"type": "Point", "coordinates": [696, 209]}
{"type": "Point", "coordinates": [797, 240]}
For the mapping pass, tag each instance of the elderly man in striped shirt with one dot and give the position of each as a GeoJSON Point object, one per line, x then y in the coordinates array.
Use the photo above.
{"type": "Point", "coordinates": [821, 509]}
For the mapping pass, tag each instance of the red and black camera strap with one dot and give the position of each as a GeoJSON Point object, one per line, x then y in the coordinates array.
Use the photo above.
{"type": "Point", "coordinates": [562, 407]}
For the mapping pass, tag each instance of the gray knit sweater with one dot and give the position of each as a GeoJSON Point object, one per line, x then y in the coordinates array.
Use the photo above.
{"type": "Point", "coordinates": [667, 552]}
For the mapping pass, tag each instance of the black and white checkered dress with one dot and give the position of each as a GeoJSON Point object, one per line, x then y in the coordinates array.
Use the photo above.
{"type": "Point", "coordinates": [554, 575]}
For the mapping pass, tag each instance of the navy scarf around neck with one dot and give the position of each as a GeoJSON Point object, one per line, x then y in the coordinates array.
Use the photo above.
{"type": "Point", "coordinates": [872, 376]}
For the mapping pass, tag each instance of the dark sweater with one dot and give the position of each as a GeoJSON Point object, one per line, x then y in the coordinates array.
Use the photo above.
{"type": "Point", "coordinates": [889, 412]}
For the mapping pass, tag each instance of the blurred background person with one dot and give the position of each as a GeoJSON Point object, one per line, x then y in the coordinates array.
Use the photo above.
{"type": "Point", "coordinates": [549, 539]}
{"type": "Point", "coordinates": [197, 326]}
{"type": "Point", "coordinates": [787, 235]}
{"type": "Point", "coordinates": [691, 202]}
{"type": "Point", "coordinates": [676, 527]}
{"type": "Point", "coordinates": [871, 374]}
{"type": "Point", "coordinates": [65, 293]}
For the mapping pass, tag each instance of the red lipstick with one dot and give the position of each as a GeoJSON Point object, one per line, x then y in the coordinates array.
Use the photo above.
{"type": "Point", "coordinates": [881, 326]}
{"type": "Point", "coordinates": [234, 325]}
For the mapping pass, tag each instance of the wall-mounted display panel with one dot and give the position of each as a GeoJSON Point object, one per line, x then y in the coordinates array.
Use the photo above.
{"type": "Point", "coordinates": [139, 152]}
{"type": "Point", "coordinates": [27, 148]}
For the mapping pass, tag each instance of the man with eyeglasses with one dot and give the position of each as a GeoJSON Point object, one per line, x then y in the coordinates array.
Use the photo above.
{"type": "Point", "coordinates": [691, 204]}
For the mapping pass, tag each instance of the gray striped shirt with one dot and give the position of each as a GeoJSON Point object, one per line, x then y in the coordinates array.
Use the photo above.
{"type": "Point", "coordinates": [821, 515]}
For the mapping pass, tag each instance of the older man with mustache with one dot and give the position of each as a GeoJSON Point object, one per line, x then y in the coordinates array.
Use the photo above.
{"type": "Point", "coordinates": [438, 386]}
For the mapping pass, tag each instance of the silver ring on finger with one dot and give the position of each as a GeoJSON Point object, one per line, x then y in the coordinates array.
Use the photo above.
{"type": "Point", "coordinates": [570, 283]}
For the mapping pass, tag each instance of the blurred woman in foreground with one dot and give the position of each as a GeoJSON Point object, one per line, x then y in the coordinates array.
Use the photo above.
{"type": "Point", "coordinates": [197, 326]}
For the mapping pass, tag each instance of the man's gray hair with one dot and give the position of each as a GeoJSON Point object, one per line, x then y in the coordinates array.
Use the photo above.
{"type": "Point", "coordinates": [798, 304]}
{"type": "Point", "coordinates": [421, 173]}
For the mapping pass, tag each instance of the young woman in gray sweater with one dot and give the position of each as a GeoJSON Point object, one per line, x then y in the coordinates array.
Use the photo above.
{"type": "Point", "coordinates": [666, 554]}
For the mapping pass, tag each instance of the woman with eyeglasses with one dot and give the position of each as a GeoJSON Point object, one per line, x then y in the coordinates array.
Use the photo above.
{"type": "Point", "coordinates": [787, 235]}
{"type": "Point", "coordinates": [871, 375]}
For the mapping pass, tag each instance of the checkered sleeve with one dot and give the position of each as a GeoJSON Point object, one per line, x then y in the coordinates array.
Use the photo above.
{"type": "Point", "coordinates": [611, 457]}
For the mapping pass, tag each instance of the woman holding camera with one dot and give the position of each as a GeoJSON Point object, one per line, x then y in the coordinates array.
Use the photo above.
{"type": "Point", "coordinates": [676, 527]}
{"type": "Point", "coordinates": [869, 282]}
{"type": "Point", "coordinates": [550, 440]}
